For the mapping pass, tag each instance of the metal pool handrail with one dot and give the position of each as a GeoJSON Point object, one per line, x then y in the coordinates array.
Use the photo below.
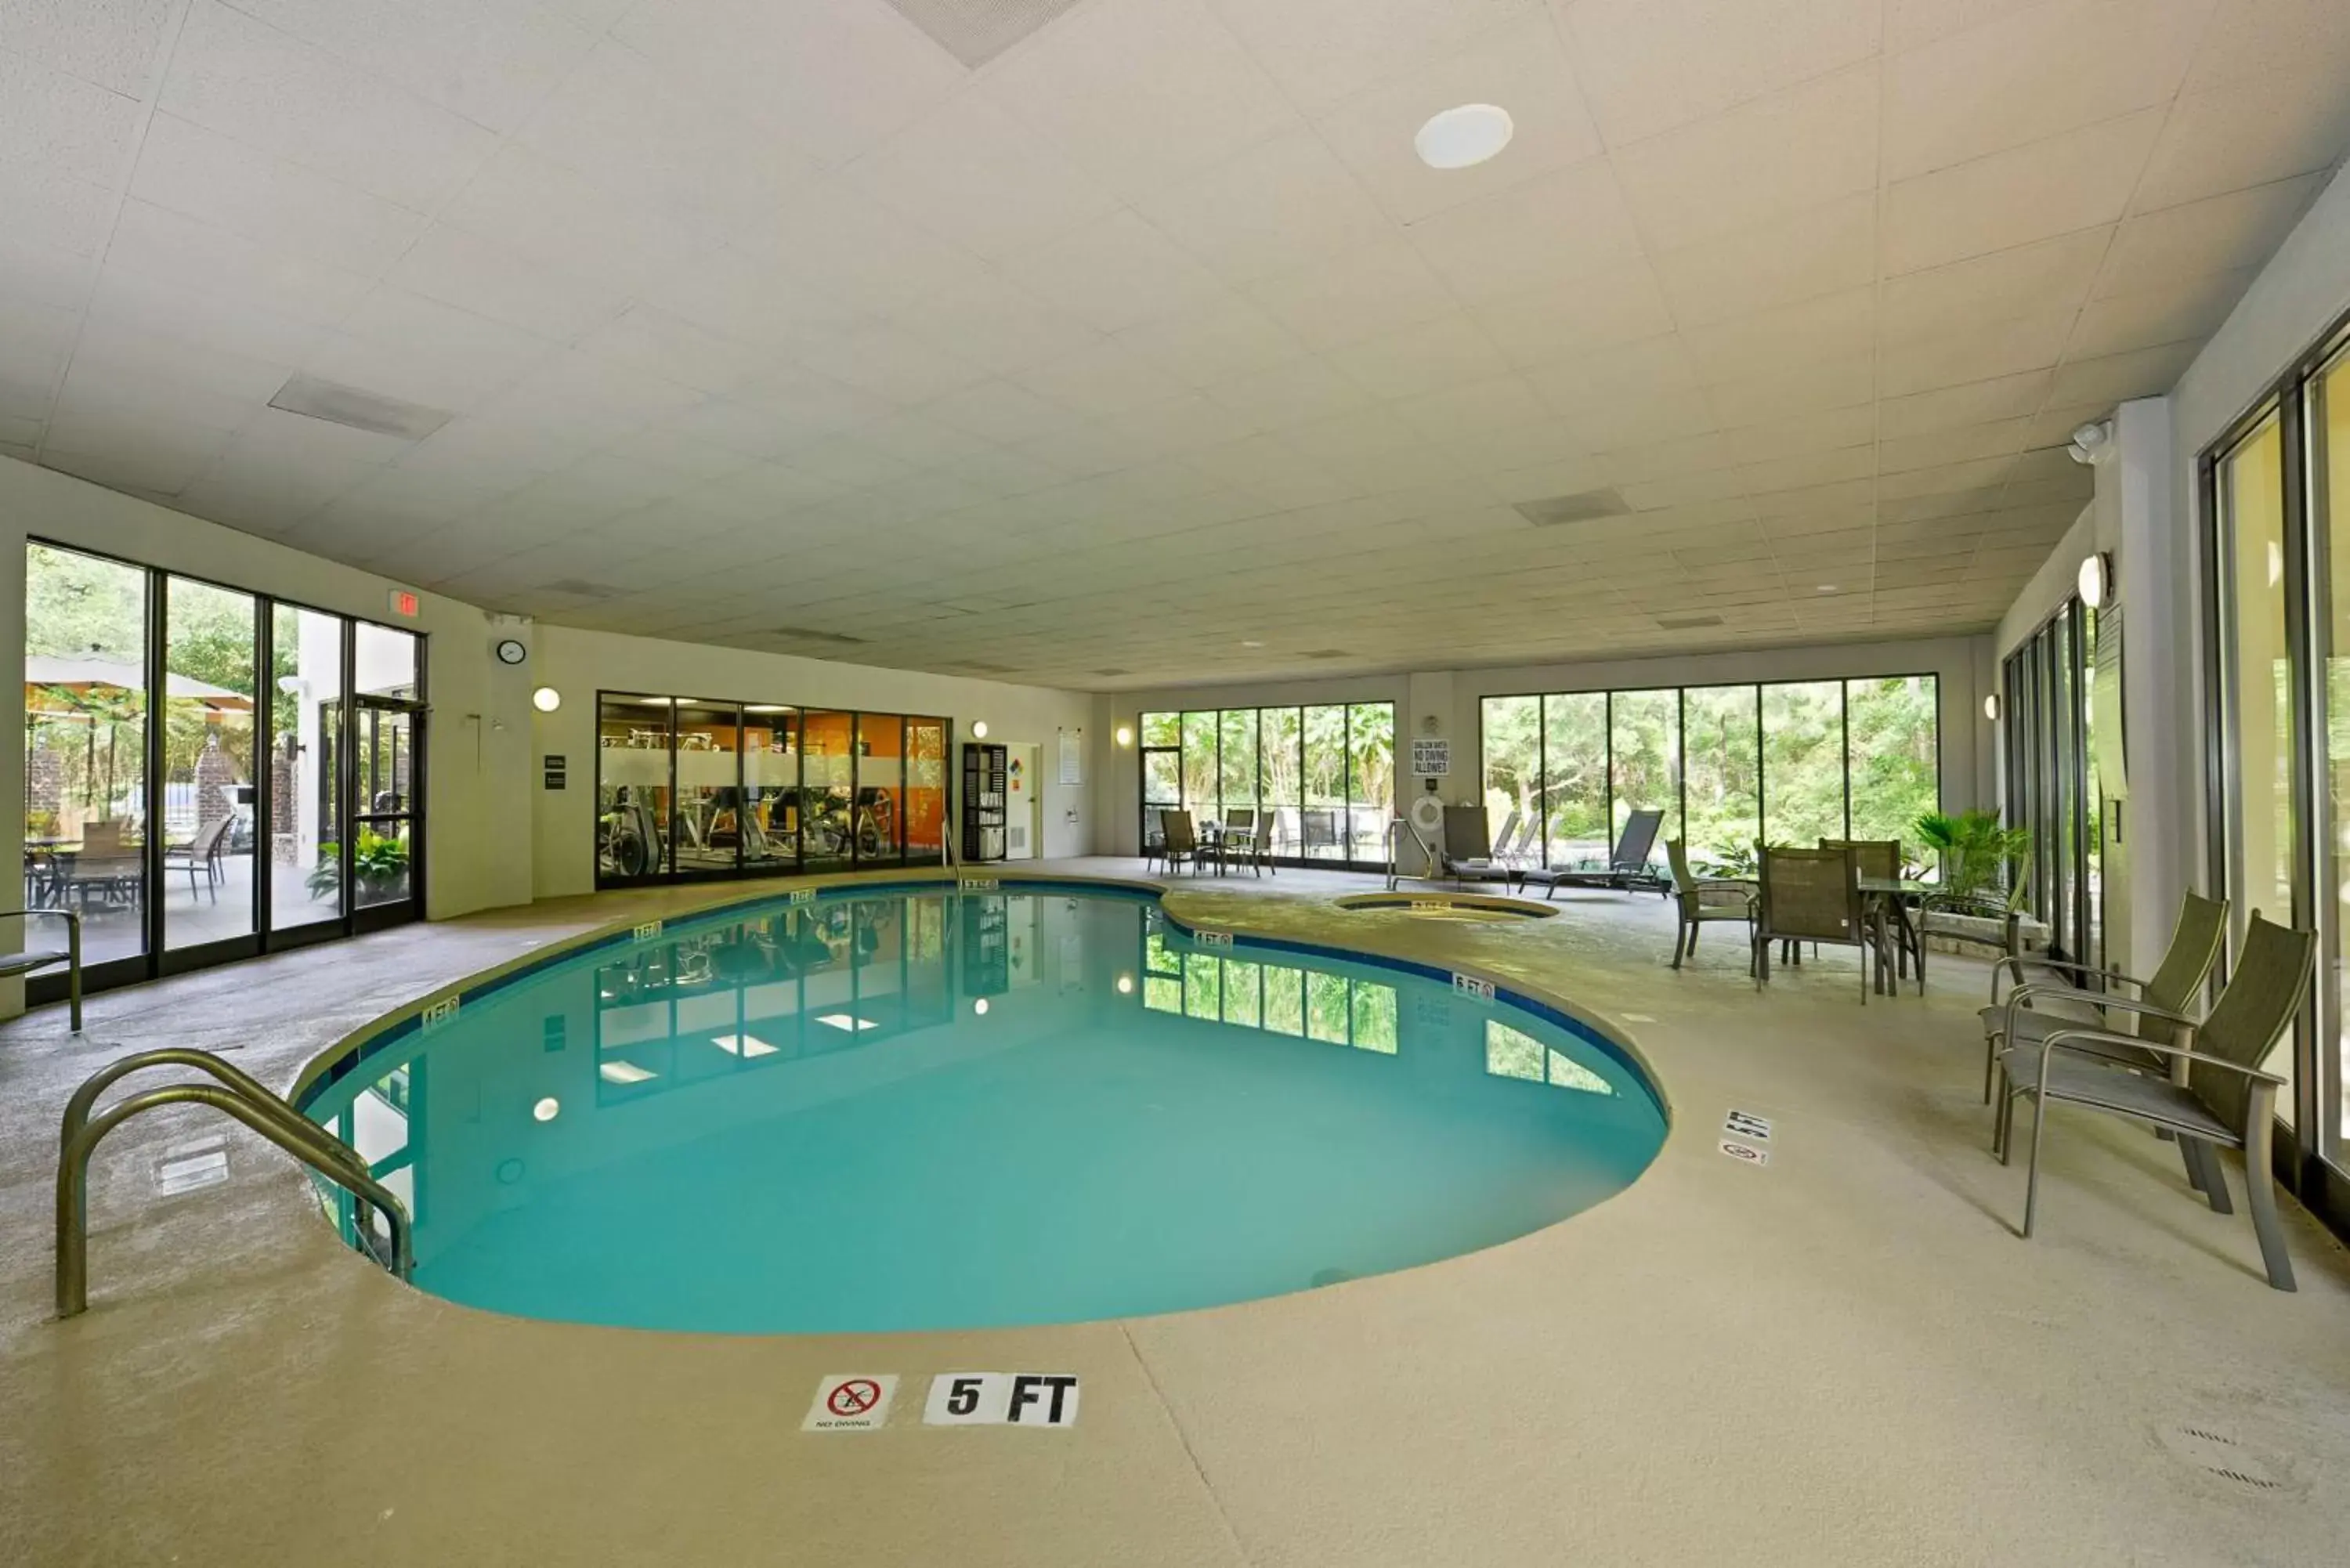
{"type": "Point", "coordinates": [242, 1096]}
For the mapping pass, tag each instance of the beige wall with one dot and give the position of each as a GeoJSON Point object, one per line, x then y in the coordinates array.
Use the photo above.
{"type": "Point", "coordinates": [1963, 666]}
{"type": "Point", "coordinates": [494, 836]}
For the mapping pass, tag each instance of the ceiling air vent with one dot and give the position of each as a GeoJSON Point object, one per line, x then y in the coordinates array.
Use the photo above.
{"type": "Point", "coordinates": [809, 634]}
{"type": "Point", "coordinates": [984, 666]}
{"type": "Point", "coordinates": [339, 405]}
{"type": "Point", "coordinates": [1581, 507]}
{"type": "Point", "coordinates": [579, 587]}
{"type": "Point", "coordinates": [976, 31]}
{"type": "Point", "coordinates": [1113, 670]}
{"type": "Point", "coordinates": [1687, 622]}
{"type": "Point", "coordinates": [1326, 653]}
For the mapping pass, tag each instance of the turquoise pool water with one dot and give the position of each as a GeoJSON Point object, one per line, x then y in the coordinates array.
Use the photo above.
{"type": "Point", "coordinates": [926, 1109]}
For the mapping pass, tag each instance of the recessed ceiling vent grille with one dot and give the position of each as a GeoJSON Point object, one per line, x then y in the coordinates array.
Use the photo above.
{"type": "Point", "coordinates": [976, 31]}
{"type": "Point", "coordinates": [361, 411]}
{"type": "Point", "coordinates": [1113, 669]}
{"type": "Point", "coordinates": [1686, 622]}
{"type": "Point", "coordinates": [984, 666]}
{"type": "Point", "coordinates": [1581, 507]}
{"type": "Point", "coordinates": [809, 634]}
{"type": "Point", "coordinates": [579, 587]}
{"type": "Point", "coordinates": [1326, 653]}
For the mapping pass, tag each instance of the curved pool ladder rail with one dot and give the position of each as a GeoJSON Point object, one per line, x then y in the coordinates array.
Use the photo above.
{"type": "Point", "coordinates": [238, 1095]}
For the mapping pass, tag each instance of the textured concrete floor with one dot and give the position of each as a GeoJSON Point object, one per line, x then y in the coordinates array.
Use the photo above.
{"type": "Point", "coordinates": [1848, 1357]}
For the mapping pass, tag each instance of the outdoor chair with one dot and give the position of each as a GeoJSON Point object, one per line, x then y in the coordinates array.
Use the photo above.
{"type": "Point", "coordinates": [1811, 896]}
{"type": "Point", "coordinates": [1881, 858]}
{"type": "Point", "coordinates": [200, 855]}
{"type": "Point", "coordinates": [1700, 899]}
{"type": "Point", "coordinates": [1179, 841]}
{"type": "Point", "coordinates": [2034, 1011]}
{"type": "Point", "coordinates": [1317, 828]}
{"type": "Point", "coordinates": [1468, 853]}
{"type": "Point", "coordinates": [104, 866]}
{"type": "Point", "coordinates": [1628, 865]}
{"type": "Point", "coordinates": [1243, 841]}
{"type": "Point", "coordinates": [33, 959]}
{"type": "Point", "coordinates": [2214, 1096]}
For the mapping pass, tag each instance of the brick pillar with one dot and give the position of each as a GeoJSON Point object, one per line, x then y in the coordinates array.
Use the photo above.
{"type": "Point", "coordinates": [281, 806]}
{"type": "Point", "coordinates": [215, 772]}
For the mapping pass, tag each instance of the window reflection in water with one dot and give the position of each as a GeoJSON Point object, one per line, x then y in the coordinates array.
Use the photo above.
{"type": "Point", "coordinates": [1278, 999]}
{"type": "Point", "coordinates": [1515, 1053]}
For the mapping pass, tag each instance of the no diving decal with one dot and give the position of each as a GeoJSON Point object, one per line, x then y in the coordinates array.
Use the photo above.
{"type": "Point", "coordinates": [1002, 1399]}
{"type": "Point", "coordinates": [851, 1402]}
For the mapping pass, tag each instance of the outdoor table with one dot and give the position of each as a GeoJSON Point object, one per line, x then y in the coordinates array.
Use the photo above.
{"type": "Point", "coordinates": [1887, 899]}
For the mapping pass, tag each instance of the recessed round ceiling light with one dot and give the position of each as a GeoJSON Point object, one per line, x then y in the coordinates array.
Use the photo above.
{"type": "Point", "coordinates": [1826, 588]}
{"type": "Point", "coordinates": [1459, 138]}
{"type": "Point", "coordinates": [1251, 642]}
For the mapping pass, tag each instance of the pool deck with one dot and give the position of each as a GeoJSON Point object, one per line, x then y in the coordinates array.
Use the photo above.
{"type": "Point", "coordinates": [1844, 1357]}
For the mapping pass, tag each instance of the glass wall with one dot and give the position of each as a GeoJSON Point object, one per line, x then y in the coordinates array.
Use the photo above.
{"type": "Point", "coordinates": [2277, 490]}
{"type": "Point", "coordinates": [1322, 776]}
{"type": "Point", "coordinates": [693, 787]}
{"type": "Point", "coordinates": [1788, 762]}
{"type": "Point", "coordinates": [192, 753]}
{"type": "Point", "coordinates": [2051, 785]}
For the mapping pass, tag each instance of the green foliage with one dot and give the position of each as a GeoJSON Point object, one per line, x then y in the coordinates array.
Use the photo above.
{"type": "Point", "coordinates": [378, 864]}
{"type": "Point", "coordinates": [1977, 853]}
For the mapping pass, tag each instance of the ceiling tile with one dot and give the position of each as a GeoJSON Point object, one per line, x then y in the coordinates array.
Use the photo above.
{"type": "Point", "coordinates": [2192, 307]}
{"type": "Point", "coordinates": [247, 80]}
{"type": "Point", "coordinates": [1140, 93]}
{"type": "Point", "coordinates": [1442, 352]}
{"type": "Point", "coordinates": [455, 268]}
{"type": "Point", "coordinates": [1651, 65]}
{"type": "Point", "coordinates": [1923, 359]}
{"type": "Point", "coordinates": [2045, 275]}
{"type": "Point", "coordinates": [1617, 305]}
{"type": "Point", "coordinates": [553, 216]}
{"type": "Point", "coordinates": [1546, 233]}
{"type": "Point", "coordinates": [1950, 408]}
{"type": "Point", "coordinates": [2075, 180]}
{"type": "Point", "coordinates": [2219, 234]}
{"type": "Point", "coordinates": [1383, 287]}
{"type": "Point", "coordinates": [2117, 377]}
{"type": "Point", "coordinates": [75, 127]}
{"type": "Point", "coordinates": [1216, 340]}
{"type": "Point", "coordinates": [1518, 66]}
{"type": "Point", "coordinates": [1830, 325]}
{"type": "Point", "coordinates": [2248, 39]}
{"type": "Point", "coordinates": [1319, 51]}
{"type": "Point", "coordinates": [969, 173]}
{"type": "Point", "coordinates": [1786, 153]}
{"type": "Point", "coordinates": [1115, 272]}
{"type": "Point", "coordinates": [2289, 122]}
{"type": "Point", "coordinates": [493, 61]}
{"type": "Point", "coordinates": [2032, 73]}
{"type": "Point", "coordinates": [1285, 203]}
{"type": "Point", "coordinates": [1822, 251]}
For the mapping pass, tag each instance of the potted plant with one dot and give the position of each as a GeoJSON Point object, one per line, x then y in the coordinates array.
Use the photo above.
{"type": "Point", "coordinates": [378, 864]}
{"type": "Point", "coordinates": [1977, 853]}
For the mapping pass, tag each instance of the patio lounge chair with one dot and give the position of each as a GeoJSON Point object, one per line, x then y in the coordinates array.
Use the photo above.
{"type": "Point", "coordinates": [2216, 1095]}
{"type": "Point", "coordinates": [1702, 898]}
{"type": "Point", "coordinates": [33, 959]}
{"type": "Point", "coordinates": [1811, 896]}
{"type": "Point", "coordinates": [1628, 865]}
{"type": "Point", "coordinates": [1468, 853]}
{"type": "Point", "coordinates": [2034, 1011]}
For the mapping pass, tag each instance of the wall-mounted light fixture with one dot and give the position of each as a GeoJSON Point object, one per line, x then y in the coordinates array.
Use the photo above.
{"type": "Point", "coordinates": [979, 729]}
{"type": "Point", "coordinates": [546, 699]}
{"type": "Point", "coordinates": [547, 1110]}
{"type": "Point", "coordinates": [1991, 707]}
{"type": "Point", "coordinates": [1126, 734]}
{"type": "Point", "coordinates": [980, 1006]}
{"type": "Point", "coordinates": [2096, 579]}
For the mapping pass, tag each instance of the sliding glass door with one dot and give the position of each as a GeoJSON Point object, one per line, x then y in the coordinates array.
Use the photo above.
{"type": "Point", "coordinates": [193, 754]}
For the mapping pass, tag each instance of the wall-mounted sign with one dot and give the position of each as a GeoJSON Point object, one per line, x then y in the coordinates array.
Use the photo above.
{"type": "Point", "coordinates": [1431, 759]}
{"type": "Point", "coordinates": [403, 603]}
{"type": "Point", "coordinates": [558, 767]}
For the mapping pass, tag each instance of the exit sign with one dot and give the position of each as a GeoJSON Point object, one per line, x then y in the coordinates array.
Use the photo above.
{"type": "Point", "coordinates": [403, 603]}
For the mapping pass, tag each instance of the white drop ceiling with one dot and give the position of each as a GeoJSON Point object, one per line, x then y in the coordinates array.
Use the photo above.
{"type": "Point", "coordinates": [1150, 338]}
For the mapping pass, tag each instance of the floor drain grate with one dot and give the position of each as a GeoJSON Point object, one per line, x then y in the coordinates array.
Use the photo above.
{"type": "Point", "coordinates": [2220, 1455]}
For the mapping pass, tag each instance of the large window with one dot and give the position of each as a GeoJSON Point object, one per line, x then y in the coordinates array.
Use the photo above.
{"type": "Point", "coordinates": [2276, 491]}
{"type": "Point", "coordinates": [1322, 774]}
{"type": "Point", "coordinates": [691, 788]}
{"type": "Point", "coordinates": [1728, 766]}
{"type": "Point", "coordinates": [2051, 782]}
{"type": "Point", "coordinates": [192, 755]}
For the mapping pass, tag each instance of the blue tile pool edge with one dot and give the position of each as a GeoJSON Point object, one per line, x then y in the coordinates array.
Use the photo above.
{"type": "Point", "coordinates": [344, 1057]}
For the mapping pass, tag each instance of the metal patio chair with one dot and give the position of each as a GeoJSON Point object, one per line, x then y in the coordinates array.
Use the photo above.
{"type": "Point", "coordinates": [1811, 896]}
{"type": "Point", "coordinates": [2216, 1095]}
{"type": "Point", "coordinates": [2034, 1011]}
{"type": "Point", "coordinates": [1701, 900]}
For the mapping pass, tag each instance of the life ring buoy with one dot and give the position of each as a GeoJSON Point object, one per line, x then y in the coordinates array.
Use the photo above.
{"type": "Point", "coordinates": [1428, 814]}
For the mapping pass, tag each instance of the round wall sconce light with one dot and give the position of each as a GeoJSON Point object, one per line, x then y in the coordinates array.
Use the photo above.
{"type": "Point", "coordinates": [1991, 708]}
{"type": "Point", "coordinates": [547, 1110]}
{"type": "Point", "coordinates": [979, 1007]}
{"type": "Point", "coordinates": [1126, 734]}
{"type": "Point", "coordinates": [2096, 580]}
{"type": "Point", "coordinates": [979, 729]}
{"type": "Point", "coordinates": [546, 699]}
{"type": "Point", "coordinates": [1125, 985]}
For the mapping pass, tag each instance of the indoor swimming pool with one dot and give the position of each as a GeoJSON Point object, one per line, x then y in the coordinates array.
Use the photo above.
{"type": "Point", "coordinates": [921, 1108]}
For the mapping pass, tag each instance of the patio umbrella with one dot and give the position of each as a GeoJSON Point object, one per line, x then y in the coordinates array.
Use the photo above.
{"type": "Point", "coordinates": [106, 690]}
